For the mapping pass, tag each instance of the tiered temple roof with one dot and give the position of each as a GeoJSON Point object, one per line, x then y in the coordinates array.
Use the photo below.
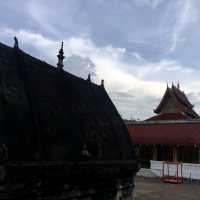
{"type": "Point", "coordinates": [174, 105]}
{"type": "Point", "coordinates": [176, 122]}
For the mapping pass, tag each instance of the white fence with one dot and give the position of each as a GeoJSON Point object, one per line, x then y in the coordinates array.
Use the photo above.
{"type": "Point", "coordinates": [191, 171]}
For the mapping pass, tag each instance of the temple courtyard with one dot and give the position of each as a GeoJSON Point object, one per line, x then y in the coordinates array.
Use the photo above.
{"type": "Point", "coordinates": [154, 189]}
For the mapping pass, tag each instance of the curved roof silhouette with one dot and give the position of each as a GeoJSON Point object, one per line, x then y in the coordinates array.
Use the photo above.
{"type": "Point", "coordinates": [49, 114]}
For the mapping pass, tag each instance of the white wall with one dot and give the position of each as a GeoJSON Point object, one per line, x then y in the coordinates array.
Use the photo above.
{"type": "Point", "coordinates": [191, 171]}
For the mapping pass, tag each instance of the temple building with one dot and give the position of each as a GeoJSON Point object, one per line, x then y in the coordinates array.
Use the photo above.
{"type": "Point", "coordinates": [60, 134]}
{"type": "Point", "coordinates": [172, 134]}
{"type": "Point", "coordinates": [174, 105]}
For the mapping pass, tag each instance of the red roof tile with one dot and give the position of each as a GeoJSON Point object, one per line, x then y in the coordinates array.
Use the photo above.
{"type": "Point", "coordinates": [165, 133]}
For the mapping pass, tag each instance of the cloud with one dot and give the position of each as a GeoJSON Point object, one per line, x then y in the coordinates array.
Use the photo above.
{"type": "Point", "coordinates": [135, 84]}
{"type": "Point", "coordinates": [168, 70]}
{"type": "Point", "coordinates": [152, 3]}
{"type": "Point", "coordinates": [68, 20]}
{"type": "Point", "coordinates": [108, 62]}
{"type": "Point", "coordinates": [40, 13]}
{"type": "Point", "coordinates": [186, 14]}
{"type": "Point", "coordinates": [122, 94]}
{"type": "Point", "coordinates": [81, 66]}
{"type": "Point", "coordinates": [136, 46]}
{"type": "Point", "coordinates": [119, 23]}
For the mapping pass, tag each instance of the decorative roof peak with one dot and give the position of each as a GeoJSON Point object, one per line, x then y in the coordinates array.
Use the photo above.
{"type": "Point", "coordinates": [89, 78]}
{"type": "Point", "coordinates": [183, 104]}
{"type": "Point", "coordinates": [167, 84]}
{"type": "Point", "coordinates": [178, 85]}
{"type": "Point", "coordinates": [61, 57]}
{"type": "Point", "coordinates": [102, 83]}
{"type": "Point", "coordinates": [16, 45]}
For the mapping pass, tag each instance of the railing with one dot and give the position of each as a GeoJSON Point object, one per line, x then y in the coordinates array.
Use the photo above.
{"type": "Point", "coordinates": [190, 170]}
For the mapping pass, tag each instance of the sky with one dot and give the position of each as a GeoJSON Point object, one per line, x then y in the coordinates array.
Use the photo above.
{"type": "Point", "coordinates": [136, 46]}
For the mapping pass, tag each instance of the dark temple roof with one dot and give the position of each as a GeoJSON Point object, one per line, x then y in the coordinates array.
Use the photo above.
{"type": "Point", "coordinates": [53, 115]}
{"type": "Point", "coordinates": [180, 95]}
{"type": "Point", "coordinates": [181, 101]}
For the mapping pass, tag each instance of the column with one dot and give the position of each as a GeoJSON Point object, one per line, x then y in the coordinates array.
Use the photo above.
{"type": "Point", "coordinates": [175, 156]}
{"type": "Point", "coordinates": [155, 153]}
{"type": "Point", "coordinates": [199, 154]}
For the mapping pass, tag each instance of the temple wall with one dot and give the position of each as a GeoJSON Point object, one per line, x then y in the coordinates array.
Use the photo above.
{"type": "Point", "coordinates": [190, 171]}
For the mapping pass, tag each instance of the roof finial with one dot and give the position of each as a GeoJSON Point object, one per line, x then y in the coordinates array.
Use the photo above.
{"type": "Point", "coordinates": [178, 85]}
{"type": "Point", "coordinates": [89, 78]}
{"type": "Point", "coordinates": [61, 57]}
{"type": "Point", "coordinates": [102, 83]}
{"type": "Point", "coordinates": [167, 84]}
{"type": "Point", "coordinates": [16, 43]}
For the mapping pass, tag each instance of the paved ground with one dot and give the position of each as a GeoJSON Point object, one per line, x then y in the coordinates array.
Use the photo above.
{"type": "Point", "coordinates": [154, 189]}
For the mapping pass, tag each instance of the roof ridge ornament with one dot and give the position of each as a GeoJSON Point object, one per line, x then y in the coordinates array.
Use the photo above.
{"type": "Point", "coordinates": [61, 57]}
{"type": "Point", "coordinates": [102, 83]}
{"type": "Point", "coordinates": [178, 85]}
{"type": "Point", "coordinates": [16, 44]}
{"type": "Point", "coordinates": [89, 78]}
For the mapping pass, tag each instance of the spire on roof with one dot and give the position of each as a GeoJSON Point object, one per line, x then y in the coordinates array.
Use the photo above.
{"type": "Point", "coordinates": [178, 85]}
{"type": "Point", "coordinates": [89, 78]}
{"type": "Point", "coordinates": [102, 83]}
{"type": "Point", "coordinates": [167, 84]}
{"type": "Point", "coordinates": [16, 43]}
{"type": "Point", "coordinates": [61, 57]}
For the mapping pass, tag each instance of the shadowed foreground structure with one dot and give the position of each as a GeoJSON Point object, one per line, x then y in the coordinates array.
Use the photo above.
{"type": "Point", "coordinates": [60, 134]}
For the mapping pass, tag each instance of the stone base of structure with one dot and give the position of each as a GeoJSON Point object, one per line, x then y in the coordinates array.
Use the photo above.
{"type": "Point", "coordinates": [109, 180]}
